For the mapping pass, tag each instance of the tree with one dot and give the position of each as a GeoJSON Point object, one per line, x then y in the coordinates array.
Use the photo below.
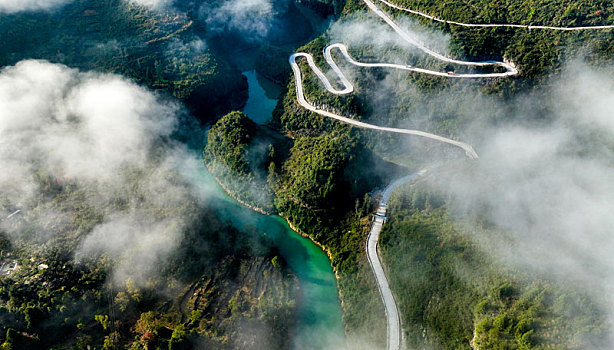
{"type": "Point", "coordinates": [178, 339]}
{"type": "Point", "coordinates": [103, 320]}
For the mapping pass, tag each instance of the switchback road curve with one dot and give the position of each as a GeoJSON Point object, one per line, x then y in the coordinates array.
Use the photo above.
{"type": "Point", "coordinates": [392, 314]}
{"type": "Point", "coordinates": [510, 70]}
{"type": "Point", "coordinates": [300, 95]}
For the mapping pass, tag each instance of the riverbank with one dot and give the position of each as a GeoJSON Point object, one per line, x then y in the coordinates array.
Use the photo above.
{"type": "Point", "coordinates": [243, 203]}
{"type": "Point", "coordinates": [324, 248]}
{"type": "Point", "coordinates": [290, 225]}
{"type": "Point", "coordinates": [320, 324]}
{"type": "Point", "coordinates": [297, 231]}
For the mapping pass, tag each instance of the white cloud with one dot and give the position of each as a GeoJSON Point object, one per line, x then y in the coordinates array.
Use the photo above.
{"type": "Point", "coordinates": [153, 4]}
{"type": "Point", "coordinates": [96, 132]}
{"type": "Point", "coordinates": [253, 18]}
{"type": "Point", "coordinates": [549, 184]}
{"type": "Point", "coordinates": [358, 31]}
{"type": "Point", "coordinates": [12, 6]}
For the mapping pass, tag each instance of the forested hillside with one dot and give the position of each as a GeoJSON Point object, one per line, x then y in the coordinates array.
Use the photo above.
{"type": "Point", "coordinates": [536, 52]}
{"type": "Point", "coordinates": [109, 236]}
{"type": "Point", "coordinates": [162, 50]}
{"type": "Point", "coordinates": [454, 295]}
{"type": "Point", "coordinates": [219, 285]}
{"type": "Point", "coordinates": [242, 156]}
{"type": "Point", "coordinates": [326, 184]}
{"type": "Point", "coordinates": [535, 12]}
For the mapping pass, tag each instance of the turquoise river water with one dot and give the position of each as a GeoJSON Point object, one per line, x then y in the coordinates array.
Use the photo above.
{"type": "Point", "coordinates": [319, 324]}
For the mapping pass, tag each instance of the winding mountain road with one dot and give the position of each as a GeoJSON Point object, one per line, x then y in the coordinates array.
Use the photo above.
{"type": "Point", "coordinates": [485, 25]}
{"type": "Point", "coordinates": [392, 314]}
{"type": "Point", "coordinates": [510, 70]}
{"type": "Point", "coordinates": [303, 102]}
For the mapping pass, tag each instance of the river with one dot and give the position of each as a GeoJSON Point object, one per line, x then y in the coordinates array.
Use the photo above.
{"type": "Point", "coordinates": [319, 320]}
{"type": "Point", "coordinates": [263, 96]}
{"type": "Point", "coordinates": [319, 324]}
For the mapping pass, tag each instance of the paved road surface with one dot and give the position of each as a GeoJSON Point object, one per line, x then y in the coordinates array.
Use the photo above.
{"type": "Point", "coordinates": [303, 102]}
{"type": "Point", "coordinates": [15, 213]}
{"type": "Point", "coordinates": [392, 312]}
{"type": "Point", "coordinates": [349, 88]}
{"type": "Point", "coordinates": [485, 25]}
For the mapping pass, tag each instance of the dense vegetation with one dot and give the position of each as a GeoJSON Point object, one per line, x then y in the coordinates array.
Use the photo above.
{"type": "Point", "coordinates": [321, 191]}
{"type": "Point", "coordinates": [51, 302]}
{"type": "Point", "coordinates": [315, 172]}
{"type": "Point", "coordinates": [534, 12]}
{"type": "Point", "coordinates": [313, 187]}
{"type": "Point", "coordinates": [325, 7]}
{"type": "Point", "coordinates": [506, 308]}
{"type": "Point", "coordinates": [159, 49]}
{"type": "Point", "coordinates": [223, 289]}
{"type": "Point", "coordinates": [242, 155]}
{"type": "Point", "coordinates": [220, 288]}
{"type": "Point", "coordinates": [452, 295]}
{"type": "Point", "coordinates": [535, 52]}
{"type": "Point", "coordinates": [226, 157]}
